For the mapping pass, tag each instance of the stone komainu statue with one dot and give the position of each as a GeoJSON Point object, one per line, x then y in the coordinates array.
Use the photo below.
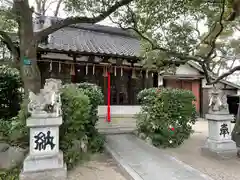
{"type": "Point", "coordinates": [47, 103]}
{"type": "Point", "coordinates": [218, 102]}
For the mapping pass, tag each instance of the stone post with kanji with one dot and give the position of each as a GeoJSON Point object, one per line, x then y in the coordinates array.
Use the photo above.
{"type": "Point", "coordinates": [219, 143]}
{"type": "Point", "coordinates": [45, 160]}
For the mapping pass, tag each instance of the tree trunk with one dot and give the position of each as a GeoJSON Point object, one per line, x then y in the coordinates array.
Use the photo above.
{"type": "Point", "coordinates": [30, 73]}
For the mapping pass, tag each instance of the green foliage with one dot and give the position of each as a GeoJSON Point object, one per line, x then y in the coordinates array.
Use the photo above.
{"type": "Point", "coordinates": [76, 112]}
{"type": "Point", "coordinates": [14, 130]}
{"type": "Point", "coordinates": [163, 109]}
{"type": "Point", "coordinates": [78, 131]}
{"type": "Point", "coordinates": [12, 174]}
{"type": "Point", "coordinates": [147, 96]}
{"type": "Point", "coordinates": [95, 96]}
{"type": "Point", "coordinates": [173, 32]}
{"type": "Point", "coordinates": [10, 96]}
{"type": "Point", "coordinates": [87, 7]}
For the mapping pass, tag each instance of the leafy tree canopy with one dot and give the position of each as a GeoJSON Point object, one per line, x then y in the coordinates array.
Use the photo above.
{"type": "Point", "coordinates": [177, 31]}
{"type": "Point", "coordinates": [172, 32]}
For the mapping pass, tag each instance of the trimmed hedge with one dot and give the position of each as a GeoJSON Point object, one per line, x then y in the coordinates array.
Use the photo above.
{"type": "Point", "coordinates": [78, 134]}
{"type": "Point", "coordinates": [166, 115]}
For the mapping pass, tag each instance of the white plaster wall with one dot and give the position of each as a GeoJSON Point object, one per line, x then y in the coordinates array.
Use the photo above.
{"type": "Point", "coordinates": [123, 119]}
{"type": "Point", "coordinates": [185, 69]}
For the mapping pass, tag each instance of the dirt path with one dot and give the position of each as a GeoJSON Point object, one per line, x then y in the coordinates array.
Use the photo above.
{"type": "Point", "coordinates": [101, 167]}
{"type": "Point", "coordinates": [189, 153]}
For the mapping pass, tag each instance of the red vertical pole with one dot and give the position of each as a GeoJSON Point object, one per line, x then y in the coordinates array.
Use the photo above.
{"type": "Point", "coordinates": [109, 99]}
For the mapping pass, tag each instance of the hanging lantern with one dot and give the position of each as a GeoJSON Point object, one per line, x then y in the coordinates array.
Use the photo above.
{"type": "Point", "coordinates": [93, 70]}
{"type": "Point", "coordinates": [72, 71]}
{"type": "Point", "coordinates": [134, 74]}
{"type": "Point", "coordinates": [105, 71]}
{"type": "Point", "coordinates": [59, 67]}
{"type": "Point", "coordinates": [146, 73]}
{"type": "Point", "coordinates": [152, 74]}
{"type": "Point", "coordinates": [50, 67]}
{"type": "Point", "coordinates": [86, 69]}
{"type": "Point", "coordinates": [121, 71]}
{"type": "Point", "coordinates": [115, 71]}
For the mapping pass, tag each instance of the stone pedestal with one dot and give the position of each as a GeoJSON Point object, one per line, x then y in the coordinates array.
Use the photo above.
{"type": "Point", "coordinates": [219, 143]}
{"type": "Point", "coordinates": [44, 161]}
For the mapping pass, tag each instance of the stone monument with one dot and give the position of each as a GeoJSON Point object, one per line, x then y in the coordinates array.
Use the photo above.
{"type": "Point", "coordinates": [45, 160]}
{"type": "Point", "coordinates": [219, 143]}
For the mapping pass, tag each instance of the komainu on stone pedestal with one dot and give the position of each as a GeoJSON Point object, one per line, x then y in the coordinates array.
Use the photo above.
{"type": "Point", "coordinates": [219, 143]}
{"type": "Point", "coordinates": [45, 160]}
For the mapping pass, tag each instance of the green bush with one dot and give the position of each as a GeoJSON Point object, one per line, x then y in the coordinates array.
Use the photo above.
{"type": "Point", "coordinates": [76, 112]}
{"type": "Point", "coordinates": [14, 130]}
{"type": "Point", "coordinates": [164, 109]}
{"type": "Point", "coordinates": [12, 174]}
{"type": "Point", "coordinates": [96, 98]}
{"type": "Point", "coordinates": [147, 96]}
{"type": "Point", "coordinates": [79, 107]}
{"type": "Point", "coordinates": [10, 95]}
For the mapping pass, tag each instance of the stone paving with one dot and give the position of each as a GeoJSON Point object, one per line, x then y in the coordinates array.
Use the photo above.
{"type": "Point", "coordinates": [183, 163]}
{"type": "Point", "coordinates": [100, 167]}
{"type": "Point", "coordinates": [190, 154]}
{"type": "Point", "coordinates": [149, 163]}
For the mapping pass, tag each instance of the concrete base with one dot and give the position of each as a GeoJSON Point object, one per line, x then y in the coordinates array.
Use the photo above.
{"type": "Point", "coordinates": [220, 155]}
{"type": "Point", "coordinates": [220, 149]}
{"type": "Point", "coordinates": [42, 163]}
{"type": "Point", "coordinates": [54, 174]}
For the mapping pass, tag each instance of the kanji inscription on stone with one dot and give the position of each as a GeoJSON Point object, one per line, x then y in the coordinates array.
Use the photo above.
{"type": "Point", "coordinates": [224, 130]}
{"type": "Point", "coordinates": [43, 140]}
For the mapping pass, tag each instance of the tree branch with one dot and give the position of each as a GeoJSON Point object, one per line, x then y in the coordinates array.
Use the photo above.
{"type": "Point", "coordinates": [182, 57]}
{"type": "Point", "coordinates": [58, 7]}
{"type": "Point", "coordinates": [9, 43]}
{"type": "Point", "coordinates": [75, 20]}
{"type": "Point", "coordinates": [237, 68]}
{"type": "Point", "coordinates": [213, 40]}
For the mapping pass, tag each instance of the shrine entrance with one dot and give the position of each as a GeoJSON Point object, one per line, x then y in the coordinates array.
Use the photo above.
{"type": "Point", "coordinates": [120, 90]}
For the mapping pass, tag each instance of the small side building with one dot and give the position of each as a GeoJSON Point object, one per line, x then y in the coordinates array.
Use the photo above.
{"type": "Point", "coordinates": [190, 76]}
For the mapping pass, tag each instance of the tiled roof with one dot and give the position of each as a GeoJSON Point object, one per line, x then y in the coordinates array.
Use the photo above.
{"type": "Point", "coordinates": [96, 39]}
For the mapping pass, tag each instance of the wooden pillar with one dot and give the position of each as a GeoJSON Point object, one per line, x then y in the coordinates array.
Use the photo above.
{"type": "Point", "coordinates": [129, 87]}
{"type": "Point", "coordinates": [105, 89]}
{"type": "Point", "coordinates": [117, 82]}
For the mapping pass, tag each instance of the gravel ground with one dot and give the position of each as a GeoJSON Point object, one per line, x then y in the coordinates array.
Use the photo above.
{"type": "Point", "coordinates": [189, 153]}
{"type": "Point", "coordinates": [101, 167]}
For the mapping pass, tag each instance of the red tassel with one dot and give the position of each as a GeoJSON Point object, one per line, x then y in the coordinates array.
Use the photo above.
{"type": "Point", "coordinates": [109, 100]}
